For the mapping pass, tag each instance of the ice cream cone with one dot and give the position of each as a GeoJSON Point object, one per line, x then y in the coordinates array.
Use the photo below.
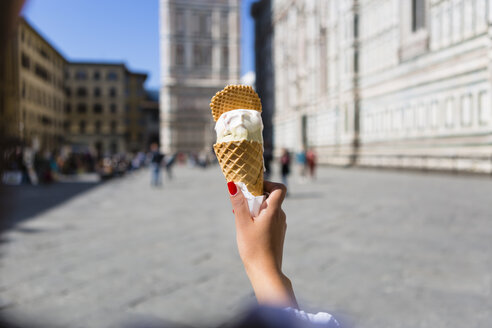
{"type": "Point", "coordinates": [234, 97]}
{"type": "Point", "coordinates": [241, 160]}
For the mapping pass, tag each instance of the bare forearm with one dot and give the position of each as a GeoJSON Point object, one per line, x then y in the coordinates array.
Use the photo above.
{"type": "Point", "coordinates": [273, 288]}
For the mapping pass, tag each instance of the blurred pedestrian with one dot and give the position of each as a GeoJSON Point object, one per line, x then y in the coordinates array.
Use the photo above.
{"type": "Point", "coordinates": [311, 162]}
{"type": "Point", "coordinates": [155, 165]}
{"type": "Point", "coordinates": [169, 166]}
{"type": "Point", "coordinates": [285, 165]}
{"type": "Point", "coordinates": [301, 162]}
{"type": "Point", "coordinates": [28, 159]}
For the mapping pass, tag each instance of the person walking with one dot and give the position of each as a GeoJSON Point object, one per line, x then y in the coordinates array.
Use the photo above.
{"type": "Point", "coordinates": [285, 165]}
{"type": "Point", "coordinates": [302, 163]}
{"type": "Point", "coordinates": [155, 165]}
{"type": "Point", "coordinates": [169, 166]}
{"type": "Point", "coordinates": [311, 162]}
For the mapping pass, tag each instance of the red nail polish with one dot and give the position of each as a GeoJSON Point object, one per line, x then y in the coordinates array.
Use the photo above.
{"type": "Point", "coordinates": [233, 212]}
{"type": "Point", "coordinates": [232, 188]}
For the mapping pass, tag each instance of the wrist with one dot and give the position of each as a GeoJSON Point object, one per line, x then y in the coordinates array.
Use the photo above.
{"type": "Point", "coordinates": [272, 288]}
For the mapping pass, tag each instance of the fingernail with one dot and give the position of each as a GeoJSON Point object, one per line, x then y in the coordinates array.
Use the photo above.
{"type": "Point", "coordinates": [233, 212]}
{"type": "Point", "coordinates": [232, 188]}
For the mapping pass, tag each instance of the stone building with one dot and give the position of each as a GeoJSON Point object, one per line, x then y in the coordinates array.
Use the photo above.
{"type": "Point", "coordinates": [9, 89]}
{"type": "Point", "coordinates": [103, 108]}
{"type": "Point", "coordinates": [134, 117]}
{"type": "Point", "coordinates": [199, 43]}
{"type": "Point", "coordinates": [37, 71]}
{"type": "Point", "coordinates": [385, 82]}
{"type": "Point", "coordinates": [48, 102]}
{"type": "Point", "coordinates": [96, 106]}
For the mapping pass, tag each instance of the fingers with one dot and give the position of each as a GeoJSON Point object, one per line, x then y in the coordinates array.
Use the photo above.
{"type": "Point", "coordinates": [277, 193]}
{"type": "Point", "coordinates": [239, 204]}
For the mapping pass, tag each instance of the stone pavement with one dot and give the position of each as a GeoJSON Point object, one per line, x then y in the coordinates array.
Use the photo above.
{"type": "Point", "coordinates": [376, 248]}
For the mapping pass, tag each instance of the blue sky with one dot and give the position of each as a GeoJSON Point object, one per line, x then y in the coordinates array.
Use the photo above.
{"type": "Point", "coordinates": [116, 30]}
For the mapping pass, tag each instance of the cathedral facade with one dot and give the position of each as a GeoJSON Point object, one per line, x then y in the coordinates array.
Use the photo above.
{"type": "Point", "coordinates": [385, 83]}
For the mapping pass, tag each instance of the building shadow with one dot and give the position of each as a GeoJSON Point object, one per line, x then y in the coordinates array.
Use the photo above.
{"type": "Point", "coordinates": [22, 203]}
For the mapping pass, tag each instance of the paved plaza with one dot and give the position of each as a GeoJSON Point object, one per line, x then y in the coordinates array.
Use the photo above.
{"type": "Point", "coordinates": [379, 249]}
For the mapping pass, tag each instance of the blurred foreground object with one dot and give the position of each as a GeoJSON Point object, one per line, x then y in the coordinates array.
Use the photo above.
{"type": "Point", "coordinates": [9, 11]}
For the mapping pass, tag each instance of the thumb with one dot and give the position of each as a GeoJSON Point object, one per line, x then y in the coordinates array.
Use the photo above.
{"type": "Point", "coordinates": [239, 204]}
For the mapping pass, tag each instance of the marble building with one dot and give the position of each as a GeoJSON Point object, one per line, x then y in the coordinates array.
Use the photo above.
{"type": "Point", "coordinates": [199, 49]}
{"type": "Point", "coordinates": [386, 83]}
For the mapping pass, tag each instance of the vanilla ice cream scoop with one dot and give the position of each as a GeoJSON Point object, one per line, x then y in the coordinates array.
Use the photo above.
{"type": "Point", "coordinates": [239, 124]}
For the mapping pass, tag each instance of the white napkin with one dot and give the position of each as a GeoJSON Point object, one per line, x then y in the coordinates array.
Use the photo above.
{"type": "Point", "coordinates": [254, 202]}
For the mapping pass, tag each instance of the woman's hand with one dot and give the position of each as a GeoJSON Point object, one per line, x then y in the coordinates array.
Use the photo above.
{"type": "Point", "coordinates": [260, 242]}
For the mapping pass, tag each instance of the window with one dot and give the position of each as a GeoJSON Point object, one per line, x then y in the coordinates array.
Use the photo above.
{"type": "Point", "coordinates": [82, 126]}
{"type": "Point", "coordinates": [112, 76]}
{"type": "Point", "coordinates": [202, 55]}
{"type": "Point", "coordinates": [81, 108]}
{"type": "Point", "coordinates": [409, 118]}
{"type": "Point", "coordinates": [66, 126]}
{"type": "Point", "coordinates": [113, 127]}
{"type": "Point", "coordinates": [434, 114]}
{"type": "Point", "coordinates": [68, 91]}
{"type": "Point", "coordinates": [180, 22]}
{"type": "Point", "coordinates": [41, 72]}
{"type": "Point", "coordinates": [26, 62]}
{"type": "Point", "coordinates": [196, 54]}
{"type": "Point", "coordinates": [46, 121]}
{"type": "Point", "coordinates": [81, 75]}
{"type": "Point", "coordinates": [97, 92]}
{"type": "Point", "coordinates": [43, 53]}
{"type": "Point", "coordinates": [224, 24]}
{"type": "Point", "coordinates": [112, 108]}
{"type": "Point", "coordinates": [179, 55]}
{"type": "Point", "coordinates": [98, 108]}
{"type": "Point", "coordinates": [484, 110]}
{"type": "Point", "coordinates": [449, 112]}
{"type": "Point", "coordinates": [205, 24]}
{"type": "Point", "coordinates": [225, 57]}
{"type": "Point", "coordinates": [81, 91]}
{"type": "Point", "coordinates": [96, 76]}
{"type": "Point", "coordinates": [97, 127]}
{"type": "Point", "coordinates": [421, 116]}
{"type": "Point", "coordinates": [112, 92]}
{"type": "Point", "coordinates": [68, 108]}
{"type": "Point", "coordinates": [418, 15]}
{"type": "Point", "coordinates": [466, 110]}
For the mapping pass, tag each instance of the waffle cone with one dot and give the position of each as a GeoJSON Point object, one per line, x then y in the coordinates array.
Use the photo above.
{"type": "Point", "coordinates": [242, 161]}
{"type": "Point", "coordinates": [234, 97]}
